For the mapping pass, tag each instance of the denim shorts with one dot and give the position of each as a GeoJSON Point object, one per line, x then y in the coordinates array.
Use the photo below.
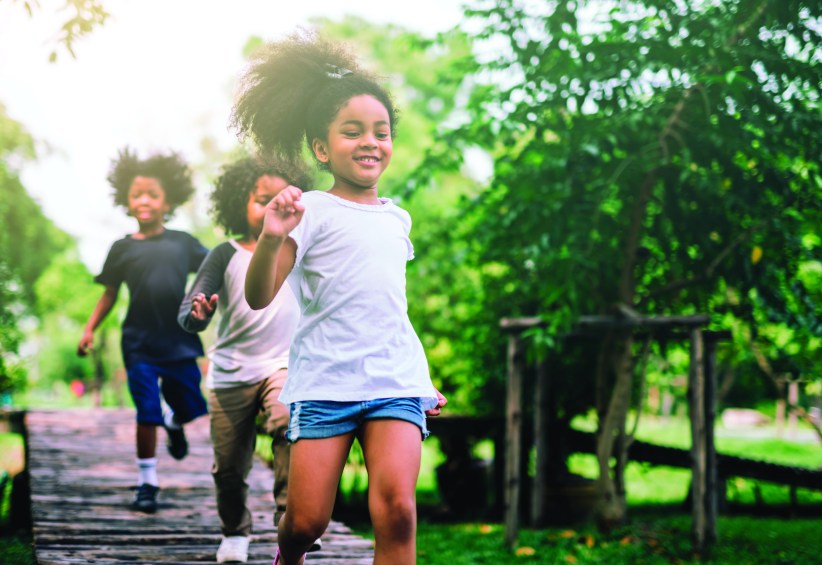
{"type": "Point", "coordinates": [179, 383]}
{"type": "Point", "coordinates": [315, 419]}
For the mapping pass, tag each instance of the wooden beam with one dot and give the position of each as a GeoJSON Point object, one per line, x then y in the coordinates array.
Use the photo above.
{"type": "Point", "coordinates": [642, 322]}
{"type": "Point", "coordinates": [696, 397]}
{"type": "Point", "coordinates": [712, 485]}
{"type": "Point", "coordinates": [513, 438]}
{"type": "Point", "coordinates": [541, 439]}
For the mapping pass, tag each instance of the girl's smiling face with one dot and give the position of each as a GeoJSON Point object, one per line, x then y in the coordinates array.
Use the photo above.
{"type": "Point", "coordinates": [147, 202]}
{"type": "Point", "coordinates": [359, 144]}
{"type": "Point", "coordinates": [266, 188]}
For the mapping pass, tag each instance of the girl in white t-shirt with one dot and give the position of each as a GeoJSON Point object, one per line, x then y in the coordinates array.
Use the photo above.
{"type": "Point", "coordinates": [356, 366]}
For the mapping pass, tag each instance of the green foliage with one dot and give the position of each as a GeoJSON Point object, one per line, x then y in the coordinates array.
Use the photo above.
{"type": "Point", "coordinates": [658, 154]}
{"type": "Point", "coordinates": [28, 242]}
{"type": "Point", "coordinates": [85, 15]}
{"type": "Point", "coordinates": [63, 319]}
{"type": "Point", "coordinates": [17, 550]}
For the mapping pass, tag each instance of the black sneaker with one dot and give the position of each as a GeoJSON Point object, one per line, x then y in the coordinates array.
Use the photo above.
{"type": "Point", "coordinates": [176, 443]}
{"type": "Point", "coordinates": [146, 498]}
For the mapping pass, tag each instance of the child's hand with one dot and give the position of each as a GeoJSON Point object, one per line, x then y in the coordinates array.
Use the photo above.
{"type": "Point", "coordinates": [441, 401]}
{"type": "Point", "coordinates": [283, 213]}
{"type": "Point", "coordinates": [86, 344]}
{"type": "Point", "coordinates": [202, 308]}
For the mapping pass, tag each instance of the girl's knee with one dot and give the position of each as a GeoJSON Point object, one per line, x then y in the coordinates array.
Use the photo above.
{"type": "Point", "coordinates": [399, 511]}
{"type": "Point", "coordinates": [303, 529]}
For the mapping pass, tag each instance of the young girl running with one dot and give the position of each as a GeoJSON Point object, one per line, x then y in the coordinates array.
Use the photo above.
{"type": "Point", "coordinates": [249, 358]}
{"type": "Point", "coordinates": [356, 366]}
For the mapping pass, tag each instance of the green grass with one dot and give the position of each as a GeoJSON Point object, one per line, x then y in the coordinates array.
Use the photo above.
{"type": "Point", "coordinates": [647, 484]}
{"type": "Point", "coordinates": [16, 550]}
{"type": "Point", "coordinates": [651, 539]}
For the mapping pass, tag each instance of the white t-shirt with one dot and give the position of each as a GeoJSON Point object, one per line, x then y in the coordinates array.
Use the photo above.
{"type": "Point", "coordinates": [251, 344]}
{"type": "Point", "coordinates": [354, 341]}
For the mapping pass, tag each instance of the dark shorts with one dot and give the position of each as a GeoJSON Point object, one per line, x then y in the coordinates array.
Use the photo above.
{"type": "Point", "coordinates": [180, 386]}
{"type": "Point", "coordinates": [315, 419]}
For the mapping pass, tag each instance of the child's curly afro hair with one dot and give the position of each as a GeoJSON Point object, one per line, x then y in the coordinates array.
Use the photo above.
{"type": "Point", "coordinates": [238, 180]}
{"type": "Point", "coordinates": [170, 170]}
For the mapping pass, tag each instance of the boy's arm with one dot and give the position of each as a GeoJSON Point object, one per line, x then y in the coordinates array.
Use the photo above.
{"type": "Point", "coordinates": [101, 310]}
{"type": "Point", "coordinates": [198, 305]}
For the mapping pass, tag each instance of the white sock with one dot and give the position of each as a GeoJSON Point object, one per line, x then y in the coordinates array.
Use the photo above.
{"type": "Point", "coordinates": [148, 471]}
{"type": "Point", "coordinates": [170, 422]}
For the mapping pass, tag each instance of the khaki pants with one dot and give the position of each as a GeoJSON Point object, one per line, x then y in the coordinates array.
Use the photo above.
{"type": "Point", "coordinates": [233, 435]}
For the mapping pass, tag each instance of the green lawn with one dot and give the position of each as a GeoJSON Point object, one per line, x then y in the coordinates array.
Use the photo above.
{"type": "Point", "coordinates": [648, 539]}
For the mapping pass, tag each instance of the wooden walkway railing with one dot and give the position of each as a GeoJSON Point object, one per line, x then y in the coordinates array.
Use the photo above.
{"type": "Point", "coordinates": [82, 463]}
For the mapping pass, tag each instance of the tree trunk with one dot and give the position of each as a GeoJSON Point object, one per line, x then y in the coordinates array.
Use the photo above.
{"type": "Point", "coordinates": [610, 508]}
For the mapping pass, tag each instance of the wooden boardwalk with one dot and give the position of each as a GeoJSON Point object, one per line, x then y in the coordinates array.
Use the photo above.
{"type": "Point", "coordinates": [82, 465]}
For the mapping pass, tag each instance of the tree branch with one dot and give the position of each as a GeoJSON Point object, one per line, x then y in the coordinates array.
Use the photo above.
{"type": "Point", "coordinates": [709, 270]}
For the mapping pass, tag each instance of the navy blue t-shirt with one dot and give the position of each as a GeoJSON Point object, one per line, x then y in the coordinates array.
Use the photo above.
{"type": "Point", "coordinates": [155, 271]}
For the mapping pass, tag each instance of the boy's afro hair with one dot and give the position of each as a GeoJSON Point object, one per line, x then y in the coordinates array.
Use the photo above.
{"type": "Point", "coordinates": [170, 170]}
{"type": "Point", "coordinates": [238, 180]}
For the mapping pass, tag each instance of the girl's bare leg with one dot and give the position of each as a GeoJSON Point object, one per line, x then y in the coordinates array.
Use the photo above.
{"type": "Point", "coordinates": [392, 457]}
{"type": "Point", "coordinates": [313, 476]}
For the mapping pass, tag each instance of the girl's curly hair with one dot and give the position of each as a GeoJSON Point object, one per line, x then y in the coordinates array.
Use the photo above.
{"type": "Point", "coordinates": [238, 180]}
{"type": "Point", "coordinates": [294, 88]}
{"type": "Point", "coordinates": [170, 170]}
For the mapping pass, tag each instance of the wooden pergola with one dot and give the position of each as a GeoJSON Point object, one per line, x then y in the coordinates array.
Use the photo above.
{"type": "Point", "coordinates": [701, 401]}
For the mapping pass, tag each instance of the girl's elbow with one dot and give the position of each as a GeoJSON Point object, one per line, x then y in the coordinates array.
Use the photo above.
{"type": "Point", "coordinates": [256, 302]}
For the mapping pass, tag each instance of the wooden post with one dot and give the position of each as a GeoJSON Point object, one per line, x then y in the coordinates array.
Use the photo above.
{"type": "Point", "coordinates": [780, 406]}
{"type": "Point", "coordinates": [793, 400]}
{"type": "Point", "coordinates": [513, 439]}
{"type": "Point", "coordinates": [696, 398]}
{"type": "Point", "coordinates": [711, 485]}
{"type": "Point", "coordinates": [541, 442]}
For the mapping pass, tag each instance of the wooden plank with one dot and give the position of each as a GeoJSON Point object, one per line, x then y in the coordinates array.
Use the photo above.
{"type": "Point", "coordinates": [82, 466]}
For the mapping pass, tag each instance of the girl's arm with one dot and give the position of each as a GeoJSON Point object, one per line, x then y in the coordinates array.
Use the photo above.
{"type": "Point", "coordinates": [272, 261]}
{"type": "Point", "coordinates": [275, 253]}
{"type": "Point", "coordinates": [101, 310]}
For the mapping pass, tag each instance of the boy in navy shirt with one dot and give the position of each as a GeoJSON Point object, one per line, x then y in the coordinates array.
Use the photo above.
{"type": "Point", "coordinates": [154, 263]}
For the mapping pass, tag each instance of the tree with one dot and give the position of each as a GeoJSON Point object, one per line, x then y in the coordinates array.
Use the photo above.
{"type": "Point", "coordinates": [62, 322]}
{"type": "Point", "coordinates": [28, 242]}
{"type": "Point", "coordinates": [656, 156]}
{"type": "Point", "coordinates": [85, 16]}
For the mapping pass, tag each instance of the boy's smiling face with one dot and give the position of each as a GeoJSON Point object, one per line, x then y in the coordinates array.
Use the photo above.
{"type": "Point", "coordinates": [266, 188]}
{"type": "Point", "coordinates": [147, 202]}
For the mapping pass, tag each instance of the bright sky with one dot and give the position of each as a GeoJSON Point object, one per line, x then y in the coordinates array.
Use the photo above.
{"type": "Point", "coordinates": [158, 75]}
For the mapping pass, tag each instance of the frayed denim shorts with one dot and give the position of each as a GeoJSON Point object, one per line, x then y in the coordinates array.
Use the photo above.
{"type": "Point", "coordinates": [316, 419]}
